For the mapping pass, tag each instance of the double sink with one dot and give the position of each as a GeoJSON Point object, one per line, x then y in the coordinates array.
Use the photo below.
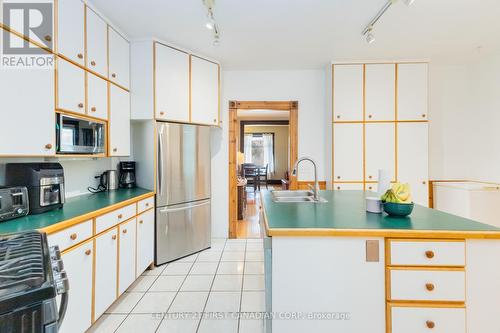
{"type": "Point", "coordinates": [295, 196]}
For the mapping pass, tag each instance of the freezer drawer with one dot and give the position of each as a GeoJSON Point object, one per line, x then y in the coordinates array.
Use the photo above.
{"type": "Point", "coordinates": [182, 230]}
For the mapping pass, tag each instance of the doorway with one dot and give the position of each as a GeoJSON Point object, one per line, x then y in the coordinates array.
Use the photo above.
{"type": "Point", "coordinates": [263, 142]}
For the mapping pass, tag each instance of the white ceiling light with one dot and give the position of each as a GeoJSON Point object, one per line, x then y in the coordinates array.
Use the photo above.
{"type": "Point", "coordinates": [370, 38]}
{"type": "Point", "coordinates": [211, 24]}
{"type": "Point", "coordinates": [408, 2]}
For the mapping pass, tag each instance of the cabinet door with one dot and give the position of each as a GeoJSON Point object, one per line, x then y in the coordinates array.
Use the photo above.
{"type": "Point", "coordinates": [70, 87]}
{"type": "Point", "coordinates": [380, 92]}
{"type": "Point", "coordinates": [97, 43]}
{"type": "Point", "coordinates": [97, 96]}
{"type": "Point", "coordinates": [78, 265]}
{"type": "Point", "coordinates": [119, 122]}
{"type": "Point", "coordinates": [347, 186]}
{"type": "Point", "coordinates": [348, 152]}
{"type": "Point", "coordinates": [347, 92]}
{"type": "Point", "coordinates": [70, 30]}
{"type": "Point", "coordinates": [106, 266]}
{"type": "Point", "coordinates": [145, 240]}
{"type": "Point", "coordinates": [413, 165]}
{"type": "Point", "coordinates": [127, 253]}
{"type": "Point", "coordinates": [204, 92]}
{"type": "Point", "coordinates": [34, 116]}
{"type": "Point", "coordinates": [380, 150]}
{"type": "Point", "coordinates": [412, 91]}
{"type": "Point", "coordinates": [119, 59]}
{"type": "Point", "coordinates": [172, 84]}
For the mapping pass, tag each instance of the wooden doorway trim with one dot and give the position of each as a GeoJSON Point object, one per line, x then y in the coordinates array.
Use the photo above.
{"type": "Point", "coordinates": [234, 106]}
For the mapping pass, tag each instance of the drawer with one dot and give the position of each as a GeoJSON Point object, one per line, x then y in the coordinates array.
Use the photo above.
{"type": "Point", "coordinates": [425, 320]}
{"type": "Point", "coordinates": [427, 285]}
{"type": "Point", "coordinates": [428, 253]}
{"type": "Point", "coordinates": [71, 236]}
{"type": "Point", "coordinates": [145, 204]}
{"type": "Point", "coordinates": [111, 219]}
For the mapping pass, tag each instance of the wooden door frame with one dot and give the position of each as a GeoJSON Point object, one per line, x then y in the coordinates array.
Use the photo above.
{"type": "Point", "coordinates": [234, 106]}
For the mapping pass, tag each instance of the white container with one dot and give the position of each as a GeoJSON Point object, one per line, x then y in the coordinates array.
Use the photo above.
{"type": "Point", "coordinates": [374, 205]}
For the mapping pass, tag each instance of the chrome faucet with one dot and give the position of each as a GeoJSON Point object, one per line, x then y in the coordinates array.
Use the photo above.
{"type": "Point", "coordinates": [316, 184]}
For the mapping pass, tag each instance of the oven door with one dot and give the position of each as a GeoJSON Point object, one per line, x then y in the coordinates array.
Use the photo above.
{"type": "Point", "coordinates": [79, 136]}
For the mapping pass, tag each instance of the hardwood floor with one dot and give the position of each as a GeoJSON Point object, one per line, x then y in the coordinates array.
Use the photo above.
{"type": "Point", "coordinates": [249, 227]}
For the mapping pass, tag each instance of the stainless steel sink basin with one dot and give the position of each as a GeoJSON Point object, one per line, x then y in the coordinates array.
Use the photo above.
{"type": "Point", "coordinates": [294, 196]}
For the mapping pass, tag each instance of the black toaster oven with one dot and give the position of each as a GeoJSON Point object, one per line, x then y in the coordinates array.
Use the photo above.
{"type": "Point", "coordinates": [13, 202]}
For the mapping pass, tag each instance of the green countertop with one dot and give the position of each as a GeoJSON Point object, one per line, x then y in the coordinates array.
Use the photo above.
{"type": "Point", "coordinates": [345, 214]}
{"type": "Point", "coordinates": [73, 208]}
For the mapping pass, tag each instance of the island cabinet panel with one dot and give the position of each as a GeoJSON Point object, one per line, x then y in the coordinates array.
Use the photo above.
{"type": "Point", "coordinates": [380, 150]}
{"type": "Point", "coordinates": [413, 161]}
{"type": "Point", "coordinates": [78, 266]}
{"type": "Point", "coordinates": [427, 319]}
{"type": "Point", "coordinates": [145, 240]}
{"type": "Point", "coordinates": [348, 152]}
{"type": "Point", "coordinates": [204, 91]}
{"type": "Point", "coordinates": [119, 121]}
{"type": "Point", "coordinates": [412, 91]}
{"type": "Point", "coordinates": [339, 275]}
{"type": "Point", "coordinates": [380, 80]}
{"type": "Point", "coordinates": [97, 43]}
{"type": "Point", "coordinates": [71, 30]}
{"type": "Point", "coordinates": [426, 253]}
{"type": "Point", "coordinates": [127, 252]}
{"type": "Point", "coordinates": [348, 92]}
{"type": "Point", "coordinates": [106, 261]}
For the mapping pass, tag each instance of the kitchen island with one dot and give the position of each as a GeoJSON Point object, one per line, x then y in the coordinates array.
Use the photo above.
{"type": "Point", "coordinates": [333, 267]}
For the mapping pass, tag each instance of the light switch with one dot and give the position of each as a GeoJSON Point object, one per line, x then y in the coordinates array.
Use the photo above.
{"type": "Point", "coordinates": [372, 251]}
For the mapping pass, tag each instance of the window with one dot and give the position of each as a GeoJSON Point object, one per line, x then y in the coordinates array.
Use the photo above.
{"type": "Point", "coordinates": [259, 149]}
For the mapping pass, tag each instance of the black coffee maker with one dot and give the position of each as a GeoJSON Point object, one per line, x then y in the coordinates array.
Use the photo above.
{"type": "Point", "coordinates": [127, 174]}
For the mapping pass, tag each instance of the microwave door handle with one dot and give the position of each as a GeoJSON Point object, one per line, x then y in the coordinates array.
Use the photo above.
{"type": "Point", "coordinates": [160, 160]}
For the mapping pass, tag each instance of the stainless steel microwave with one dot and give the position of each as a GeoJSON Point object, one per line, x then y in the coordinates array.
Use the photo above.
{"type": "Point", "coordinates": [79, 136]}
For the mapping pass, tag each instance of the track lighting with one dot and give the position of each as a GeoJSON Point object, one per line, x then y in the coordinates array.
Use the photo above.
{"type": "Point", "coordinates": [211, 24]}
{"type": "Point", "coordinates": [370, 38]}
{"type": "Point", "coordinates": [211, 21]}
{"type": "Point", "coordinates": [408, 2]}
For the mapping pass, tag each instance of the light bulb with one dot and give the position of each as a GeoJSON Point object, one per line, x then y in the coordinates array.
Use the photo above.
{"type": "Point", "coordinates": [216, 42]}
{"type": "Point", "coordinates": [408, 2]}
{"type": "Point", "coordinates": [370, 38]}
{"type": "Point", "coordinates": [210, 24]}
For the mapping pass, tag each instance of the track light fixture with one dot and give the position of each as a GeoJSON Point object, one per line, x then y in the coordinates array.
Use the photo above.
{"type": "Point", "coordinates": [211, 24]}
{"type": "Point", "coordinates": [370, 38]}
{"type": "Point", "coordinates": [408, 2]}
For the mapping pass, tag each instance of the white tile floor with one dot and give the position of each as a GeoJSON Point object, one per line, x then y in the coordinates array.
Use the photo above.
{"type": "Point", "coordinates": [202, 293]}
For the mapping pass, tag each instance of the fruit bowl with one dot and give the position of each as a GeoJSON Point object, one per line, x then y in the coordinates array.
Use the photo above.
{"type": "Point", "coordinates": [398, 209]}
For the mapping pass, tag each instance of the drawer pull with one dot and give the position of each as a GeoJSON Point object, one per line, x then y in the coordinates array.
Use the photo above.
{"type": "Point", "coordinates": [93, 109]}
{"type": "Point", "coordinates": [80, 56]}
{"type": "Point", "coordinates": [141, 222]}
{"type": "Point", "coordinates": [48, 146]}
{"type": "Point", "coordinates": [429, 254]}
{"type": "Point", "coordinates": [73, 236]}
{"type": "Point", "coordinates": [113, 237]}
{"type": "Point", "coordinates": [124, 231]}
{"type": "Point", "coordinates": [147, 204]}
{"type": "Point", "coordinates": [430, 324]}
{"type": "Point", "coordinates": [88, 252]}
{"type": "Point", "coordinates": [48, 38]}
{"type": "Point", "coordinates": [92, 63]}
{"type": "Point", "coordinates": [80, 105]}
{"type": "Point", "coordinates": [429, 286]}
{"type": "Point", "coordinates": [120, 216]}
{"type": "Point", "coordinates": [113, 75]}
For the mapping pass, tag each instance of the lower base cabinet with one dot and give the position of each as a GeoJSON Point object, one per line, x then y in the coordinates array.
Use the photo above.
{"type": "Point", "coordinates": [427, 319]}
{"type": "Point", "coordinates": [127, 235]}
{"type": "Point", "coordinates": [106, 261]}
{"type": "Point", "coordinates": [145, 240]}
{"type": "Point", "coordinates": [78, 266]}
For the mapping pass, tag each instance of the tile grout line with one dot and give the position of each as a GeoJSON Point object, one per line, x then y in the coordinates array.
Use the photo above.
{"type": "Point", "coordinates": [242, 284]}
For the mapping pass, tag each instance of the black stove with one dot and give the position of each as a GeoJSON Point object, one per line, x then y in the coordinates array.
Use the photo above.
{"type": "Point", "coordinates": [31, 276]}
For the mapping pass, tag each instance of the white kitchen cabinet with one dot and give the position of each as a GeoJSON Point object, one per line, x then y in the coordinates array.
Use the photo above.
{"type": "Point", "coordinates": [412, 91]}
{"type": "Point", "coordinates": [418, 319]}
{"type": "Point", "coordinates": [348, 92]}
{"type": "Point", "coordinates": [106, 261]}
{"type": "Point", "coordinates": [119, 122]}
{"type": "Point", "coordinates": [78, 265]}
{"type": "Point", "coordinates": [27, 99]}
{"type": "Point", "coordinates": [413, 163]}
{"type": "Point", "coordinates": [127, 234]}
{"type": "Point", "coordinates": [71, 30]}
{"type": "Point", "coordinates": [70, 87]}
{"type": "Point", "coordinates": [97, 96]}
{"type": "Point", "coordinates": [347, 186]}
{"type": "Point", "coordinates": [145, 240]}
{"type": "Point", "coordinates": [171, 84]}
{"type": "Point", "coordinates": [204, 91]}
{"type": "Point", "coordinates": [379, 150]}
{"type": "Point", "coordinates": [119, 59]}
{"type": "Point", "coordinates": [380, 90]}
{"type": "Point", "coordinates": [97, 43]}
{"type": "Point", "coordinates": [348, 152]}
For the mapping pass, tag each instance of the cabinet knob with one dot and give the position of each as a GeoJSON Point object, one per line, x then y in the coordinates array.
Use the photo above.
{"type": "Point", "coordinates": [80, 105]}
{"type": "Point", "coordinates": [80, 56]}
{"type": "Point", "coordinates": [338, 177]}
{"type": "Point", "coordinates": [370, 187]}
{"type": "Point", "coordinates": [113, 75]}
{"type": "Point", "coordinates": [215, 120]}
{"type": "Point", "coordinates": [162, 113]}
{"type": "Point", "coordinates": [370, 116]}
{"type": "Point", "coordinates": [113, 237]}
{"type": "Point", "coordinates": [338, 187]}
{"type": "Point", "coordinates": [370, 177]}
{"type": "Point", "coordinates": [141, 222]}
{"type": "Point", "coordinates": [429, 254]}
{"type": "Point", "coordinates": [48, 146]}
{"type": "Point", "coordinates": [424, 182]}
{"type": "Point", "coordinates": [429, 286]}
{"type": "Point", "coordinates": [93, 109]}
{"type": "Point", "coordinates": [430, 324]}
{"type": "Point", "coordinates": [424, 115]}
{"type": "Point", "coordinates": [120, 216]}
{"type": "Point", "coordinates": [88, 252]}
{"type": "Point", "coordinates": [115, 149]}
{"type": "Point", "coordinates": [124, 231]}
{"type": "Point", "coordinates": [92, 63]}
{"type": "Point", "coordinates": [338, 116]}
{"type": "Point", "coordinates": [73, 236]}
{"type": "Point", "coordinates": [48, 38]}
{"type": "Point", "coordinates": [147, 204]}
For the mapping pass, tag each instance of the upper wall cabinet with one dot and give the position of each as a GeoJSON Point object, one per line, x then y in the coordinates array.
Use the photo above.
{"type": "Point", "coordinates": [97, 97]}
{"type": "Point", "coordinates": [119, 59]}
{"type": "Point", "coordinates": [172, 84]}
{"type": "Point", "coordinates": [71, 30]}
{"type": "Point", "coordinates": [380, 92]}
{"type": "Point", "coordinates": [204, 91]}
{"type": "Point", "coordinates": [119, 121]}
{"type": "Point", "coordinates": [97, 43]}
{"type": "Point", "coordinates": [412, 91]}
{"type": "Point", "coordinates": [70, 87]}
{"type": "Point", "coordinates": [348, 92]}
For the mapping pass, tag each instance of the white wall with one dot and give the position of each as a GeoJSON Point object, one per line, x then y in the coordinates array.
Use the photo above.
{"type": "Point", "coordinates": [305, 86]}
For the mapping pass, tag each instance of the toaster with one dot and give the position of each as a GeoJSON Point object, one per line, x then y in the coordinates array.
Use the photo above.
{"type": "Point", "coordinates": [13, 202]}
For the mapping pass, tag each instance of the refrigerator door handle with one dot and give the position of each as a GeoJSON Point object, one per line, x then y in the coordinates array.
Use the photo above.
{"type": "Point", "coordinates": [160, 160]}
{"type": "Point", "coordinates": [171, 210]}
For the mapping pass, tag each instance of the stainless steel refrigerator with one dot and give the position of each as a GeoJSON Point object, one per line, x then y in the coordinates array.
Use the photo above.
{"type": "Point", "coordinates": [183, 223]}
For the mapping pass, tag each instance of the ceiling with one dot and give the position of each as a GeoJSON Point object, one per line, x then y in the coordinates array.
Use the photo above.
{"type": "Point", "coordinates": [308, 34]}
